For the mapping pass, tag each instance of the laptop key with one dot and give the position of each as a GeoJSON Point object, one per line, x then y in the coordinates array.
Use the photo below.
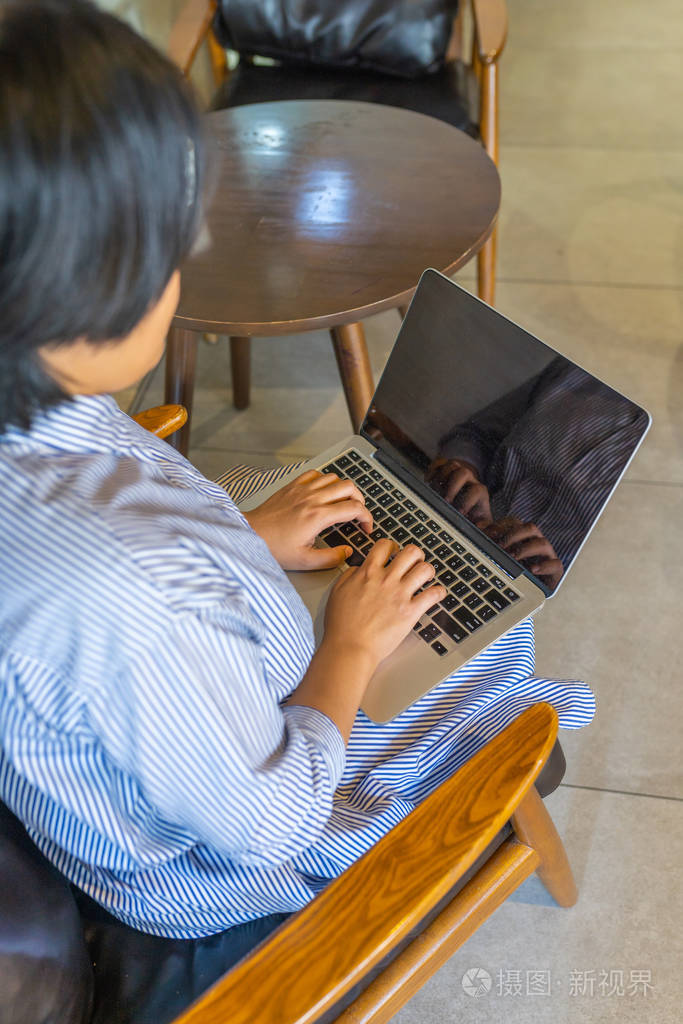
{"type": "Point", "coordinates": [467, 574]}
{"type": "Point", "coordinates": [363, 481]}
{"type": "Point", "coordinates": [374, 490]}
{"type": "Point", "coordinates": [511, 594]}
{"type": "Point", "coordinates": [389, 524]}
{"type": "Point", "coordinates": [450, 627]}
{"type": "Point", "coordinates": [365, 466]}
{"type": "Point", "coordinates": [439, 648]}
{"type": "Point", "coordinates": [407, 520]}
{"type": "Point", "coordinates": [343, 461]}
{"type": "Point", "coordinates": [430, 632]}
{"type": "Point", "coordinates": [479, 585]}
{"type": "Point", "coordinates": [449, 602]}
{"type": "Point", "coordinates": [385, 499]}
{"type": "Point", "coordinates": [472, 559]}
{"type": "Point", "coordinates": [497, 600]}
{"type": "Point", "coordinates": [468, 618]}
{"type": "Point", "coordinates": [429, 541]}
{"type": "Point", "coordinates": [399, 495]}
{"type": "Point", "coordinates": [400, 535]}
{"type": "Point", "coordinates": [455, 563]}
{"type": "Point", "coordinates": [447, 578]}
{"type": "Point", "coordinates": [459, 547]}
{"type": "Point", "coordinates": [376, 475]}
{"type": "Point", "coordinates": [433, 525]}
{"type": "Point", "coordinates": [378, 514]}
{"type": "Point", "coordinates": [348, 529]}
{"type": "Point", "coordinates": [497, 582]}
{"type": "Point", "coordinates": [410, 505]}
{"type": "Point", "coordinates": [443, 551]}
{"type": "Point", "coordinates": [483, 571]}
{"type": "Point", "coordinates": [353, 455]}
{"type": "Point", "coordinates": [486, 613]}
{"type": "Point", "coordinates": [460, 589]}
{"type": "Point", "coordinates": [352, 472]}
{"type": "Point", "coordinates": [438, 566]}
{"type": "Point", "coordinates": [445, 537]}
{"type": "Point", "coordinates": [422, 516]}
{"type": "Point", "coordinates": [419, 530]}
{"type": "Point", "coordinates": [377, 534]}
{"type": "Point", "coordinates": [396, 509]}
{"type": "Point", "coordinates": [472, 601]}
{"type": "Point", "coordinates": [355, 558]}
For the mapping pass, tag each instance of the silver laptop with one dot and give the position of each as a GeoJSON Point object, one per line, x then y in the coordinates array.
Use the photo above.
{"type": "Point", "coordinates": [494, 454]}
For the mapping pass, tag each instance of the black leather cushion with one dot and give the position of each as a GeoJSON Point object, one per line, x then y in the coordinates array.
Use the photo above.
{"type": "Point", "coordinates": [45, 973]}
{"type": "Point", "coordinates": [399, 37]}
{"type": "Point", "coordinates": [442, 95]}
{"type": "Point", "coordinates": [144, 979]}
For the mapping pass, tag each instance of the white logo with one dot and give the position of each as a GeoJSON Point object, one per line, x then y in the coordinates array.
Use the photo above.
{"type": "Point", "coordinates": [476, 982]}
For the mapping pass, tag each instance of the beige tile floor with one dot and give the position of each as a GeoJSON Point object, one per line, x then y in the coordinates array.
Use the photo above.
{"type": "Point", "coordinates": [591, 259]}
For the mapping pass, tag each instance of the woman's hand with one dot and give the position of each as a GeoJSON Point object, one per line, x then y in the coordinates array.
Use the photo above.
{"type": "Point", "coordinates": [292, 518]}
{"type": "Point", "coordinates": [526, 543]}
{"type": "Point", "coordinates": [373, 607]}
{"type": "Point", "coordinates": [458, 482]}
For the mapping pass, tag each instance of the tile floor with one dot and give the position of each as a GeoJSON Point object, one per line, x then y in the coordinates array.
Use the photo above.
{"type": "Point", "coordinates": [591, 259]}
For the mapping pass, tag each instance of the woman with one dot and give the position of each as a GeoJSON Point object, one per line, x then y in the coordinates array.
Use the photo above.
{"type": "Point", "coordinates": [167, 733]}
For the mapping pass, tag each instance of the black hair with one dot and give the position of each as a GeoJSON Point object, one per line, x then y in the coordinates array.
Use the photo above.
{"type": "Point", "coordinates": [101, 174]}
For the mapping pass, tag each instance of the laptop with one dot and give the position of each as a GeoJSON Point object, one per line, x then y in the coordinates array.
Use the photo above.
{"type": "Point", "coordinates": [493, 453]}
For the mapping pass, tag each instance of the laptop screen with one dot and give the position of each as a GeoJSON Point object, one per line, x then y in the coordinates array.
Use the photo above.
{"type": "Point", "coordinates": [524, 443]}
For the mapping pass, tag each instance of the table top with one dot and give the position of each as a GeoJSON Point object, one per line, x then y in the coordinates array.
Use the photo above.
{"type": "Point", "coordinates": [324, 212]}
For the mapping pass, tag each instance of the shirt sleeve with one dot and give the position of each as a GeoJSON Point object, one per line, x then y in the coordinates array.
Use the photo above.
{"type": "Point", "coordinates": [195, 723]}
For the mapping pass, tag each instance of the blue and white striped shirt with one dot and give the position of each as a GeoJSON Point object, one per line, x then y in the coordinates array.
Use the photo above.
{"type": "Point", "coordinates": [147, 641]}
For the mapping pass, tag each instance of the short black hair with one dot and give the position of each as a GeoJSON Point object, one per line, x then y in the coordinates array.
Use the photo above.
{"type": "Point", "coordinates": [101, 175]}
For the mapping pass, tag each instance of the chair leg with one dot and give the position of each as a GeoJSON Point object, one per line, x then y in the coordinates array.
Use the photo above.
{"type": "Point", "coordinates": [534, 826]}
{"type": "Point", "coordinates": [486, 271]}
{"type": "Point", "coordinates": [354, 369]}
{"type": "Point", "coordinates": [181, 361]}
{"type": "Point", "coordinates": [240, 364]}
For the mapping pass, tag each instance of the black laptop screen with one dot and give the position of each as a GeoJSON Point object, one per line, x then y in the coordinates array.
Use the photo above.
{"type": "Point", "coordinates": [524, 443]}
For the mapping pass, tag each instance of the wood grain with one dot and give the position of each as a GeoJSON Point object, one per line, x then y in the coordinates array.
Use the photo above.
{"type": "Point", "coordinates": [162, 420]}
{"type": "Point", "coordinates": [321, 952]}
{"type": "Point", "coordinates": [327, 211]}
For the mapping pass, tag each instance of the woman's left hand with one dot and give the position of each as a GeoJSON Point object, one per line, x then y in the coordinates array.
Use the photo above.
{"type": "Point", "coordinates": [291, 519]}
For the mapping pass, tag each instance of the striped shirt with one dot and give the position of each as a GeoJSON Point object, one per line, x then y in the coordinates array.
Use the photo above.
{"type": "Point", "coordinates": [148, 640]}
{"type": "Point", "coordinates": [551, 451]}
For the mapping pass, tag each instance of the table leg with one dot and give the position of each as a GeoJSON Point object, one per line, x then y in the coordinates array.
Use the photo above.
{"type": "Point", "coordinates": [240, 365]}
{"type": "Point", "coordinates": [354, 369]}
{"type": "Point", "coordinates": [181, 360]}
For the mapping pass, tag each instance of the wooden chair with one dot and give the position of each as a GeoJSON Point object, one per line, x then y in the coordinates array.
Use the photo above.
{"type": "Point", "coordinates": [465, 94]}
{"type": "Point", "coordinates": [375, 935]}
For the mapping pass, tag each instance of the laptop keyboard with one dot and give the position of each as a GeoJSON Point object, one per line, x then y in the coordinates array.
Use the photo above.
{"type": "Point", "coordinates": [475, 593]}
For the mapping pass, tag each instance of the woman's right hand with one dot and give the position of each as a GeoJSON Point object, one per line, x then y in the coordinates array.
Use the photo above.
{"type": "Point", "coordinates": [373, 606]}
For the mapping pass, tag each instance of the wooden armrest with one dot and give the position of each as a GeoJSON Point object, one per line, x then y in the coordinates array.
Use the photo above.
{"type": "Point", "coordinates": [162, 420]}
{"type": "Point", "coordinates": [491, 26]}
{"type": "Point", "coordinates": [320, 953]}
{"type": "Point", "coordinates": [189, 31]}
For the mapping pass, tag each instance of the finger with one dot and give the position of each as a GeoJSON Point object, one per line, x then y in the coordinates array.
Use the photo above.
{"type": "Point", "coordinates": [342, 512]}
{"type": "Point", "coordinates": [417, 575]}
{"type": "Point", "coordinates": [535, 547]}
{"type": "Point", "coordinates": [406, 558]}
{"type": "Point", "coordinates": [456, 482]}
{"type": "Point", "coordinates": [471, 498]}
{"type": "Point", "coordinates": [325, 558]}
{"type": "Point", "coordinates": [426, 598]}
{"type": "Point", "coordinates": [524, 531]}
{"type": "Point", "coordinates": [310, 476]}
{"type": "Point", "coordinates": [435, 469]}
{"type": "Point", "coordinates": [380, 553]}
{"type": "Point", "coordinates": [551, 568]}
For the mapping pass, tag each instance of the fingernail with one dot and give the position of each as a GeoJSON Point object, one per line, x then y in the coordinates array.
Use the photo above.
{"type": "Point", "coordinates": [348, 552]}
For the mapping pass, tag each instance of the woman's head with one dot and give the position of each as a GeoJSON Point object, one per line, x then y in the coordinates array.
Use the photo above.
{"type": "Point", "coordinates": [101, 172]}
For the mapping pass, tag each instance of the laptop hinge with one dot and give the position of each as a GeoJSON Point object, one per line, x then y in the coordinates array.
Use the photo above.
{"type": "Point", "coordinates": [504, 561]}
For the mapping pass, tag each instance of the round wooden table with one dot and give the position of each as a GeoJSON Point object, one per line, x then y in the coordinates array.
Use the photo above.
{"type": "Point", "coordinates": [324, 212]}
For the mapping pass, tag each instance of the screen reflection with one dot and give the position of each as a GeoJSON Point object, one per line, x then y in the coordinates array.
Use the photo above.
{"type": "Point", "coordinates": [521, 441]}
